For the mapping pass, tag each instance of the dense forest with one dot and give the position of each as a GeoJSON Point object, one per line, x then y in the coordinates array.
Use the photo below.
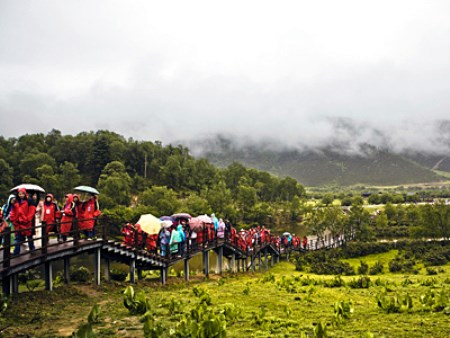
{"type": "Point", "coordinates": [135, 177]}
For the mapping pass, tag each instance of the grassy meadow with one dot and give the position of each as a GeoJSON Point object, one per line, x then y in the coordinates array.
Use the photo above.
{"type": "Point", "coordinates": [279, 303]}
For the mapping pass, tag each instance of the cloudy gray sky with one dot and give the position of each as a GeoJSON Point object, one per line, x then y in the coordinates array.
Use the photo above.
{"type": "Point", "coordinates": [303, 72]}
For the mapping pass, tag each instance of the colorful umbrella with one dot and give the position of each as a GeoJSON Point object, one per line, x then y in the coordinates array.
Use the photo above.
{"type": "Point", "coordinates": [196, 224]}
{"type": "Point", "coordinates": [166, 218]}
{"type": "Point", "coordinates": [181, 215]}
{"type": "Point", "coordinates": [149, 224]}
{"type": "Point", "coordinates": [29, 188]}
{"type": "Point", "coordinates": [85, 188]}
{"type": "Point", "coordinates": [166, 224]}
{"type": "Point", "coordinates": [205, 219]}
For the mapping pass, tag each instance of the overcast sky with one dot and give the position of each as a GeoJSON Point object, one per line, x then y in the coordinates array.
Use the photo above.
{"type": "Point", "coordinates": [303, 72]}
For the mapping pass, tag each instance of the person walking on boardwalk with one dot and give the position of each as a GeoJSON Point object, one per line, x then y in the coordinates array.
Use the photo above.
{"type": "Point", "coordinates": [6, 212]}
{"type": "Point", "coordinates": [89, 212]}
{"type": "Point", "coordinates": [50, 214]}
{"type": "Point", "coordinates": [22, 216]}
{"type": "Point", "coordinates": [69, 214]}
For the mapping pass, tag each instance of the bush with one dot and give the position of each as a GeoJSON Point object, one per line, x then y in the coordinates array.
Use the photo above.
{"type": "Point", "coordinates": [376, 269]}
{"type": "Point", "coordinates": [400, 264]}
{"type": "Point", "coordinates": [333, 267]}
{"type": "Point", "coordinates": [435, 258]}
{"type": "Point", "coordinates": [118, 275]}
{"type": "Point", "coordinates": [363, 268]}
{"type": "Point", "coordinates": [362, 282]}
{"type": "Point", "coordinates": [80, 274]}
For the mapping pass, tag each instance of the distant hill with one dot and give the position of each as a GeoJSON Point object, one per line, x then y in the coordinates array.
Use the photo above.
{"type": "Point", "coordinates": [370, 166]}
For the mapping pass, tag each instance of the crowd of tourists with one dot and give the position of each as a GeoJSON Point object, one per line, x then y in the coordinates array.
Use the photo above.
{"type": "Point", "coordinates": [23, 212]}
{"type": "Point", "coordinates": [178, 237]}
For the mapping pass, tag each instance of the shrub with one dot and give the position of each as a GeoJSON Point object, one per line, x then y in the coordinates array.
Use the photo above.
{"type": "Point", "coordinates": [333, 267]}
{"type": "Point", "coordinates": [362, 282]}
{"type": "Point", "coordinates": [435, 258]}
{"type": "Point", "coordinates": [118, 275]}
{"type": "Point", "coordinates": [394, 304]}
{"type": "Point", "coordinates": [80, 274]}
{"type": "Point", "coordinates": [363, 268]}
{"type": "Point", "coordinates": [376, 269]}
{"type": "Point", "coordinates": [336, 282]}
{"type": "Point", "coordinates": [431, 271]}
{"type": "Point", "coordinates": [400, 264]}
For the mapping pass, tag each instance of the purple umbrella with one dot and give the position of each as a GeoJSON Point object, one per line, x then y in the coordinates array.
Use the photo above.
{"type": "Point", "coordinates": [166, 218]}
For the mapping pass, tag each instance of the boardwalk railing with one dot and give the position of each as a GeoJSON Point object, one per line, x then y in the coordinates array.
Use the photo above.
{"type": "Point", "coordinates": [137, 249]}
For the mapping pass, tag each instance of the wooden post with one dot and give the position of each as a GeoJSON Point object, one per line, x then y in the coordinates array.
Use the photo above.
{"type": "Point", "coordinates": [66, 270]}
{"type": "Point", "coordinates": [259, 261]}
{"type": "Point", "coordinates": [7, 250]}
{"type": "Point", "coordinates": [75, 232]}
{"type": "Point", "coordinates": [6, 285]}
{"type": "Point", "coordinates": [266, 260]}
{"type": "Point", "coordinates": [97, 259]}
{"type": "Point", "coordinates": [133, 271]}
{"type": "Point", "coordinates": [206, 263]}
{"type": "Point", "coordinates": [48, 276]}
{"type": "Point", "coordinates": [44, 238]}
{"type": "Point", "coordinates": [139, 273]}
{"type": "Point", "coordinates": [220, 260]}
{"type": "Point", "coordinates": [186, 269]}
{"type": "Point", "coordinates": [272, 260]}
{"type": "Point", "coordinates": [164, 274]}
{"type": "Point", "coordinates": [15, 283]}
{"type": "Point", "coordinates": [233, 262]}
{"type": "Point", "coordinates": [106, 265]}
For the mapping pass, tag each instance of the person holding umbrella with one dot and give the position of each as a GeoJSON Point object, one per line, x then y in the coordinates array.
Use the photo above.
{"type": "Point", "coordinates": [22, 216]}
{"type": "Point", "coordinates": [89, 212]}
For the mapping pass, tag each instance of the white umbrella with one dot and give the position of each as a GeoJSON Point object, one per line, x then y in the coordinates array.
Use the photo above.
{"type": "Point", "coordinates": [28, 187]}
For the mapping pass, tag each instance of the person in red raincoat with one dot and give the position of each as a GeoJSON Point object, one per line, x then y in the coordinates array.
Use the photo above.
{"type": "Point", "coordinates": [50, 213]}
{"type": "Point", "coordinates": [69, 214]}
{"type": "Point", "coordinates": [88, 214]}
{"type": "Point", "coordinates": [305, 242]}
{"type": "Point", "coordinates": [128, 234]}
{"type": "Point", "coordinates": [22, 216]}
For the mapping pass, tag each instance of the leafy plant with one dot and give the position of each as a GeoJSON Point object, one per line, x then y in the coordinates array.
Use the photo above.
{"type": "Point", "coordinates": [33, 284]}
{"type": "Point", "coordinates": [135, 303]}
{"type": "Point", "coordinates": [336, 282]}
{"type": "Point", "coordinates": [376, 269]}
{"type": "Point", "coordinates": [153, 328]}
{"type": "Point", "coordinates": [363, 268]}
{"type": "Point", "coordinates": [436, 302]}
{"type": "Point", "coordinates": [362, 282]}
{"type": "Point", "coordinates": [94, 315]}
{"type": "Point", "coordinates": [4, 301]}
{"type": "Point", "coordinates": [320, 330]}
{"type": "Point", "coordinates": [342, 311]}
{"type": "Point", "coordinates": [118, 275]}
{"type": "Point", "coordinates": [86, 330]}
{"type": "Point", "coordinates": [394, 304]}
{"type": "Point", "coordinates": [80, 274]}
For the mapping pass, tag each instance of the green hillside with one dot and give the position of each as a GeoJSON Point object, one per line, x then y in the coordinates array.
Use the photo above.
{"type": "Point", "coordinates": [372, 166]}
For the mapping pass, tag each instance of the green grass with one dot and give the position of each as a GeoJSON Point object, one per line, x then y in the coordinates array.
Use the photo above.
{"type": "Point", "coordinates": [271, 304]}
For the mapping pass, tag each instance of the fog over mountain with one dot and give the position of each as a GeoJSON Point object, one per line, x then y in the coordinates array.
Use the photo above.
{"type": "Point", "coordinates": [285, 74]}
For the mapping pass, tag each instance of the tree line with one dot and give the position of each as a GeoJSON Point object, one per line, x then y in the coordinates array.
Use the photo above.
{"type": "Point", "coordinates": [143, 176]}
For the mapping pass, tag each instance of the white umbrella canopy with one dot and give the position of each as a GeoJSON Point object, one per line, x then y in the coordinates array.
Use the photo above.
{"type": "Point", "coordinates": [28, 187]}
{"type": "Point", "coordinates": [85, 188]}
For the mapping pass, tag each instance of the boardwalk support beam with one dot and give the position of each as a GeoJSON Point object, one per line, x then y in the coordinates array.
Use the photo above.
{"type": "Point", "coordinates": [48, 271]}
{"type": "Point", "coordinates": [186, 269]}
{"type": "Point", "coordinates": [66, 270]}
{"type": "Point", "coordinates": [97, 259]}
{"type": "Point", "coordinates": [133, 271]}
